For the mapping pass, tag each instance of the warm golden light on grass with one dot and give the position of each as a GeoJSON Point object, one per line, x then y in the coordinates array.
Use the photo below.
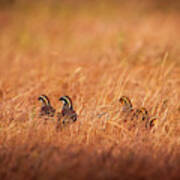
{"type": "Point", "coordinates": [95, 53]}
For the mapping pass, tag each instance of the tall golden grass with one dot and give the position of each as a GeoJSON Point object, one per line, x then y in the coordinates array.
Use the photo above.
{"type": "Point", "coordinates": [95, 52]}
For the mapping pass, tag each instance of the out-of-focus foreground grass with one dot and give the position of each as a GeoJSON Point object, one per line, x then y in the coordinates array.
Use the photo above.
{"type": "Point", "coordinates": [94, 52]}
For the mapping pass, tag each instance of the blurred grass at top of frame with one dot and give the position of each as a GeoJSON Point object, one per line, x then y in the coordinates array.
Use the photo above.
{"type": "Point", "coordinates": [39, 25]}
{"type": "Point", "coordinates": [33, 25]}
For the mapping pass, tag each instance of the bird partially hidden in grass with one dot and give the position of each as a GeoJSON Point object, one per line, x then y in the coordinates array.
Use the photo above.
{"type": "Point", "coordinates": [141, 114]}
{"type": "Point", "coordinates": [46, 109]}
{"type": "Point", "coordinates": [126, 104]}
{"type": "Point", "coordinates": [127, 107]}
{"type": "Point", "coordinates": [151, 123]}
{"type": "Point", "coordinates": [68, 114]}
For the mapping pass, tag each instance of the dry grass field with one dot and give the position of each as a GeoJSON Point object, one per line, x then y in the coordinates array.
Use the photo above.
{"type": "Point", "coordinates": [95, 52]}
